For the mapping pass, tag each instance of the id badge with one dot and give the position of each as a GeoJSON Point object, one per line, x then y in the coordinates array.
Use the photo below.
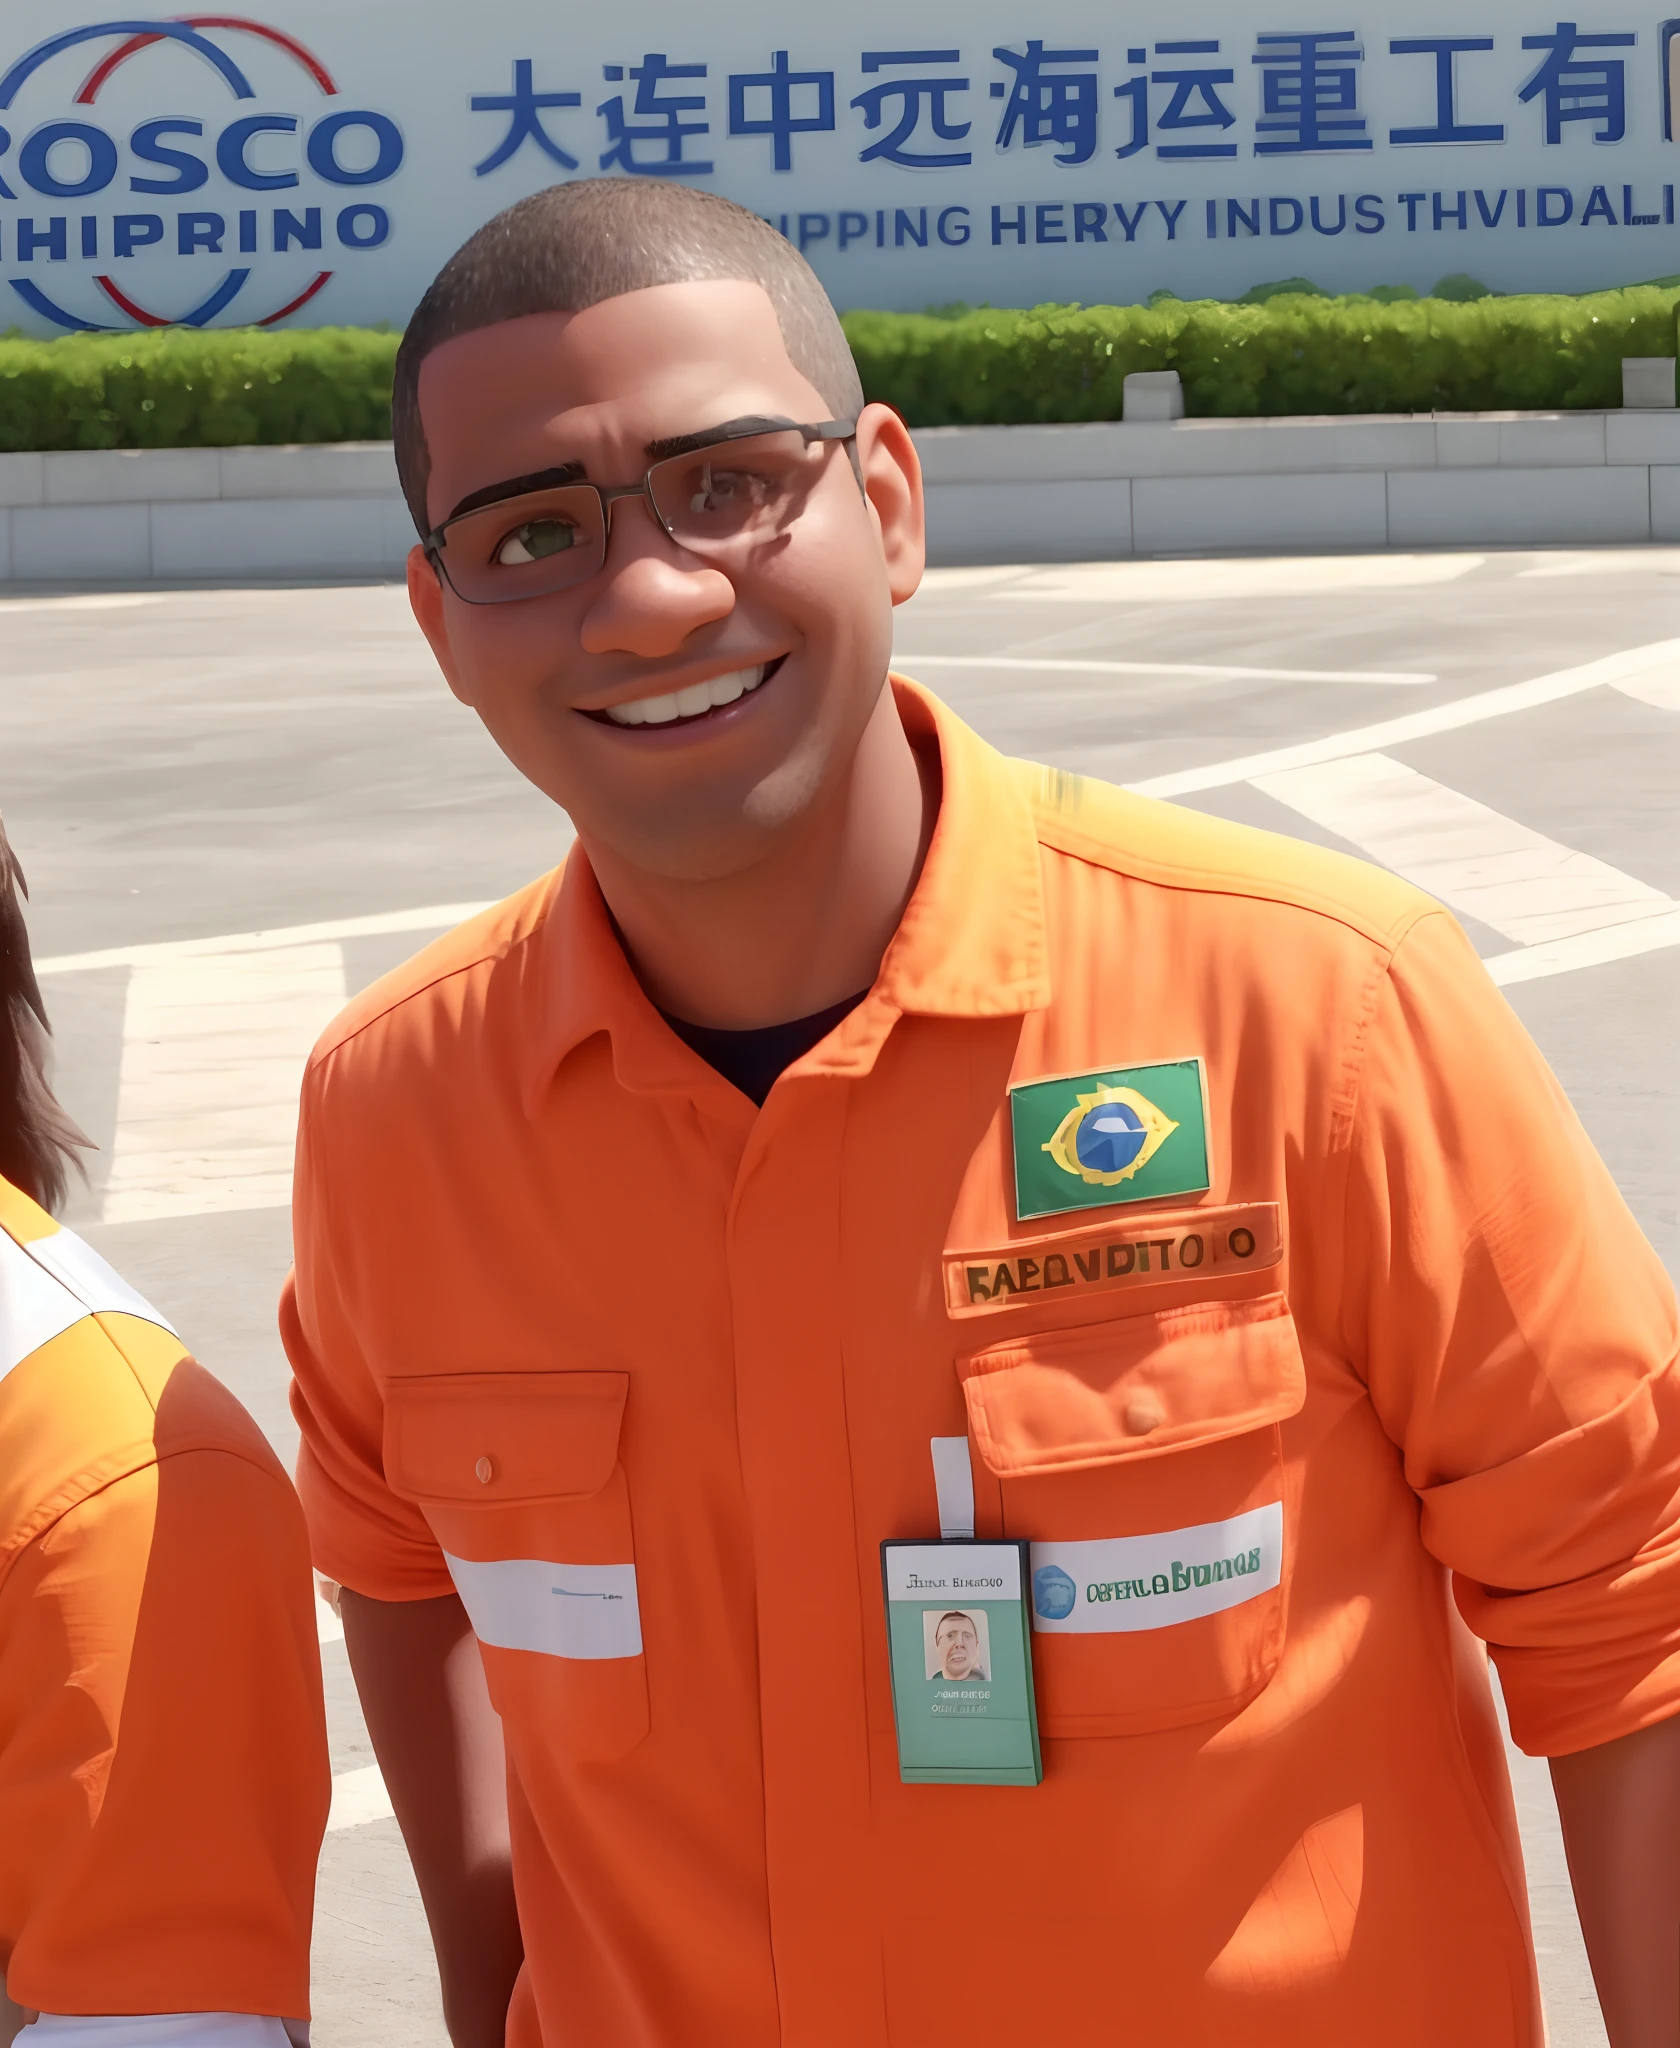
{"type": "Point", "coordinates": [959, 1639]}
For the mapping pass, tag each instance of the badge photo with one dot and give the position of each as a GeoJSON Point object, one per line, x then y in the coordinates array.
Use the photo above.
{"type": "Point", "coordinates": [1119, 1134]}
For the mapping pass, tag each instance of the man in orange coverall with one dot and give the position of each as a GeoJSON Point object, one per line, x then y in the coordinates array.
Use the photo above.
{"type": "Point", "coordinates": [864, 1136]}
{"type": "Point", "coordinates": [163, 1756]}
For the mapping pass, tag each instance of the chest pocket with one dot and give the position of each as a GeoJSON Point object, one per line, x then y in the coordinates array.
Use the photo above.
{"type": "Point", "coordinates": [1142, 1458]}
{"type": "Point", "coordinates": [520, 1478]}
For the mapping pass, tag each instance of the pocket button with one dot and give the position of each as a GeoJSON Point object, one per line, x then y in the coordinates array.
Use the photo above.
{"type": "Point", "coordinates": [485, 1470]}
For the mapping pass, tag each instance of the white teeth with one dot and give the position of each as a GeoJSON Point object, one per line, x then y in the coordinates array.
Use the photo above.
{"type": "Point", "coordinates": [689, 703]}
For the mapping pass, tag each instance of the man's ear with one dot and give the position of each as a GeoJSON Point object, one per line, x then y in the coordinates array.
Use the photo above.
{"type": "Point", "coordinates": [892, 482]}
{"type": "Point", "coordinates": [425, 598]}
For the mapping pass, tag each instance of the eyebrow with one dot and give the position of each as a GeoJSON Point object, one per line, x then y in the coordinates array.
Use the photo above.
{"type": "Point", "coordinates": [517, 486]}
{"type": "Point", "coordinates": [731, 430]}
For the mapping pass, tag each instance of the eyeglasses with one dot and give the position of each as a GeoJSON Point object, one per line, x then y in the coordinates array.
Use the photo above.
{"type": "Point", "coordinates": [727, 493]}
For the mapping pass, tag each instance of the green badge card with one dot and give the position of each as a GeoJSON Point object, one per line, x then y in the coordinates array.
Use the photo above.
{"type": "Point", "coordinates": [1123, 1134]}
{"type": "Point", "coordinates": [960, 1643]}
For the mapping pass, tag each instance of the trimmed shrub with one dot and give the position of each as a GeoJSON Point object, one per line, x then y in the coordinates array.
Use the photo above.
{"type": "Point", "coordinates": [1292, 352]}
{"type": "Point", "coordinates": [187, 387]}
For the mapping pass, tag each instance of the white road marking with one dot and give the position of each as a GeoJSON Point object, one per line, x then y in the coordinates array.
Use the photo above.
{"type": "Point", "coordinates": [1601, 562]}
{"type": "Point", "coordinates": [1516, 881]}
{"type": "Point", "coordinates": [908, 663]}
{"type": "Point", "coordinates": [1635, 663]}
{"type": "Point", "coordinates": [1201, 581]}
{"type": "Point", "coordinates": [95, 602]}
{"type": "Point", "coordinates": [214, 1047]}
{"type": "Point", "coordinates": [358, 1797]}
{"type": "Point", "coordinates": [1588, 949]}
{"type": "Point", "coordinates": [433, 917]}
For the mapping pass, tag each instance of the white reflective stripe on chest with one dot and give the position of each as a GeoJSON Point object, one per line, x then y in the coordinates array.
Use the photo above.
{"type": "Point", "coordinates": [558, 1610]}
{"type": "Point", "coordinates": [1124, 1583]}
{"type": "Point", "coordinates": [52, 1283]}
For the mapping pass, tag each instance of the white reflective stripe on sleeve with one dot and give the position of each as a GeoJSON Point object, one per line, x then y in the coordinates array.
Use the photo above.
{"type": "Point", "coordinates": [155, 2030]}
{"type": "Point", "coordinates": [558, 1610]}
{"type": "Point", "coordinates": [98, 1286]}
{"type": "Point", "coordinates": [52, 1283]}
{"type": "Point", "coordinates": [34, 1306]}
{"type": "Point", "coordinates": [953, 1481]}
{"type": "Point", "coordinates": [1124, 1583]}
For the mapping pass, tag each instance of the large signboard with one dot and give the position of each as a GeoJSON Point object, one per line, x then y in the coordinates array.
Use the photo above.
{"type": "Point", "coordinates": [317, 162]}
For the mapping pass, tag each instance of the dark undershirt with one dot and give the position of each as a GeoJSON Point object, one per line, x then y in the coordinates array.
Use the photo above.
{"type": "Point", "coordinates": [753, 1061]}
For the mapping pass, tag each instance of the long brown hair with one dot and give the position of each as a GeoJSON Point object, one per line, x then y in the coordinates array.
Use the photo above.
{"type": "Point", "coordinates": [38, 1142]}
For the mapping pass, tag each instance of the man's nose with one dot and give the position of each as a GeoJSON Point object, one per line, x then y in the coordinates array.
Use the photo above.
{"type": "Point", "coordinates": [651, 594]}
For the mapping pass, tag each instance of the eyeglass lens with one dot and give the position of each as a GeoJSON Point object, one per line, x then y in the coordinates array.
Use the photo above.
{"type": "Point", "coordinates": [717, 501]}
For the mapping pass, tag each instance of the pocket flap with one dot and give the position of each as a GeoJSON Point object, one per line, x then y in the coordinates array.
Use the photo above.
{"type": "Point", "coordinates": [1065, 1400]}
{"type": "Point", "coordinates": [491, 1438]}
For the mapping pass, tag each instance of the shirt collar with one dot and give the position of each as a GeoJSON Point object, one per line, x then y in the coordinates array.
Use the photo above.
{"type": "Point", "coordinates": [971, 942]}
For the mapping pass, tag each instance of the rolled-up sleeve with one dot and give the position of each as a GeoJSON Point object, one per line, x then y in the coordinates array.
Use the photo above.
{"type": "Point", "coordinates": [1518, 1336]}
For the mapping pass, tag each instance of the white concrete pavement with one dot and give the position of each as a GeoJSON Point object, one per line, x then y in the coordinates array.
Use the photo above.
{"type": "Point", "coordinates": [236, 805]}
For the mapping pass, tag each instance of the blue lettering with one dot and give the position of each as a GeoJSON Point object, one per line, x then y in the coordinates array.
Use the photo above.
{"type": "Point", "coordinates": [235, 140]}
{"type": "Point", "coordinates": [131, 231]}
{"type": "Point", "coordinates": [355, 236]}
{"type": "Point", "coordinates": [289, 229]}
{"type": "Point", "coordinates": [322, 149]}
{"type": "Point", "coordinates": [1598, 207]}
{"type": "Point", "coordinates": [958, 235]}
{"type": "Point", "coordinates": [1131, 224]}
{"type": "Point", "coordinates": [189, 171]}
{"type": "Point", "coordinates": [55, 241]}
{"type": "Point", "coordinates": [101, 160]}
{"type": "Point", "coordinates": [194, 231]}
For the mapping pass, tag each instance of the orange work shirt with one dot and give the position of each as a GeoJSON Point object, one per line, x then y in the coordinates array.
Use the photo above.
{"type": "Point", "coordinates": [163, 1758]}
{"type": "Point", "coordinates": [649, 1376]}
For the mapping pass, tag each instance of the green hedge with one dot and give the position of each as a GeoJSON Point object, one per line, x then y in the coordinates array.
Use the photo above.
{"type": "Point", "coordinates": [185, 387]}
{"type": "Point", "coordinates": [1293, 354]}
{"type": "Point", "coordinates": [1290, 352]}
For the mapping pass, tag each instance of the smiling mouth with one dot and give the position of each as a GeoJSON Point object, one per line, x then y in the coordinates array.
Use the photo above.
{"type": "Point", "coordinates": [689, 706]}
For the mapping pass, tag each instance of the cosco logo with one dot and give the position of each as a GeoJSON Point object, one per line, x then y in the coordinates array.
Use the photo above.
{"type": "Point", "coordinates": [149, 172]}
{"type": "Point", "coordinates": [74, 159]}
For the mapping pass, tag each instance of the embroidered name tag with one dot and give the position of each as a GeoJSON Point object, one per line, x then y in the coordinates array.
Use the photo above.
{"type": "Point", "coordinates": [1117, 1134]}
{"type": "Point", "coordinates": [1126, 1583]}
{"type": "Point", "coordinates": [1207, 1242]}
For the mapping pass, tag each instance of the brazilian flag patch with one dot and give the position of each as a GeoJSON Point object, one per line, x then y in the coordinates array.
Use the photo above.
{"type": "Point", "coordinates": [1124, 1134]}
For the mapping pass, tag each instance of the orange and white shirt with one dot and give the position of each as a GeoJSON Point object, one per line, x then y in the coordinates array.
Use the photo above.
{"type": "Point", "coordinates": [648, 1376]}
{"type": "Point", "coordinates": [163, 1769]}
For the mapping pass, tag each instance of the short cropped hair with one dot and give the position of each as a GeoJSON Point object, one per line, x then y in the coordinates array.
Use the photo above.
{"type": "Point", "coordinates": [38, 1141]}
{"type": "Point", "coordinates": [574, 245]}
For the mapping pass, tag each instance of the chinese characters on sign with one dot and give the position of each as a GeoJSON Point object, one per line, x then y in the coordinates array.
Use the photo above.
{"type": "Point", "coordinates": [916, 109]}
